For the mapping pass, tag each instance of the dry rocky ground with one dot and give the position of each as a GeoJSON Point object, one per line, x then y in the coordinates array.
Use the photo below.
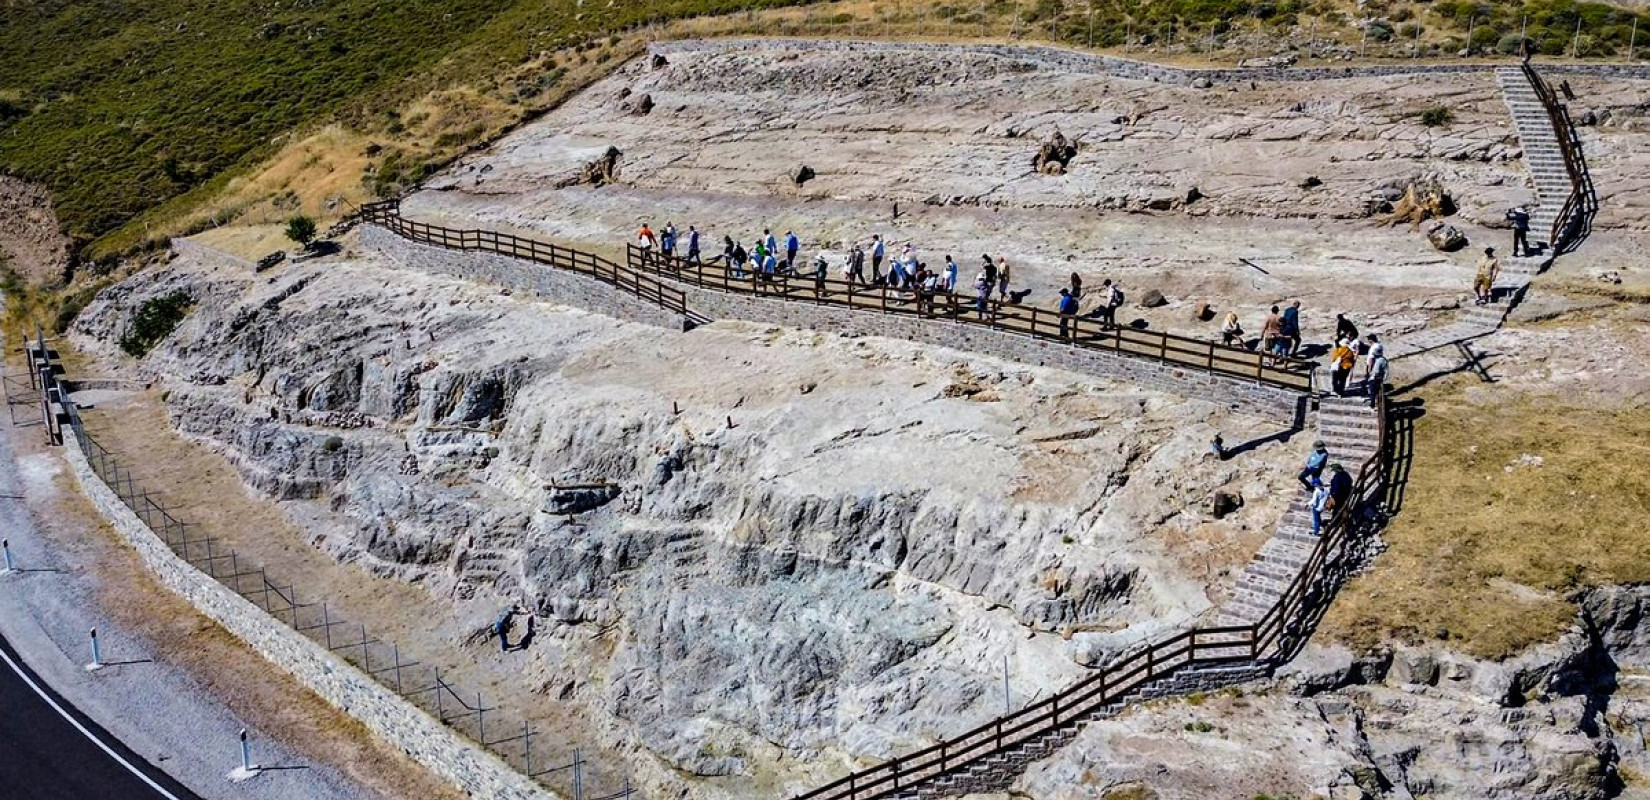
{"type": "Point", "coordinates": [838, 577]}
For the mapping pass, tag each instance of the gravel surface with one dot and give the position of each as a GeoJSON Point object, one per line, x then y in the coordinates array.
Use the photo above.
{"type": "Point", "coordinates": [163, 713]}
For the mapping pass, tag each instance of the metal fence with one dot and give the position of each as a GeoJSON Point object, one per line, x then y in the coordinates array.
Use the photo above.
{"type": "Point", "coordinates": [507, 735]}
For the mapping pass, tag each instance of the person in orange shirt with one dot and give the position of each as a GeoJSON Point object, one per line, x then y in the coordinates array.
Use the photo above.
{"type": "Point", "coordinates": [1341, 360]}
{"type": "Point", "coordinates": [646, 239]}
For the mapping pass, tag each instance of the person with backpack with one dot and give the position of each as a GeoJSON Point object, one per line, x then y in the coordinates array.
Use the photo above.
{"type": "Point", "coordinates": [1345, 331]}
{"type": "Point", "coordinates": [1111, 299]}
{"type": "Point", "coordinates": [1340, 486]}
{"type": "Point", "coordinates": [1341, 361]}
{"type": "Point", "coordinates": [1068, 312]}
{"type": "Point", "coordinates": [667, 241]}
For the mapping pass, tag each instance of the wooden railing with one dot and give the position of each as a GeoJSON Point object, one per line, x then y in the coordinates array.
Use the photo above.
{"type": "Point", "coordinates": [1575, 216]}
{"type": "Point", "coordinates": [1077, 331]}
{"type": "Point", "coordinates": [1278, 632]}
{"type": "Point", "coordinates": [646, 287]}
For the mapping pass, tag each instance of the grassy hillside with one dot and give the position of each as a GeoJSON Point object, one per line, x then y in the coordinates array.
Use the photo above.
{"type": "Point", "coordinates": [140, 114]}
{"type": "Point", "coordinates": [119, 105]}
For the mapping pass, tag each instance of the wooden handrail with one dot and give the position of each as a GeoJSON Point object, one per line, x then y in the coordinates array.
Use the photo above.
{"type": "Point", "coordinates": [1115, 682]}
{"type": "Point", "coordinates": [1175, 350]}
{"type": "Point", "coordinates": [1575, 165]}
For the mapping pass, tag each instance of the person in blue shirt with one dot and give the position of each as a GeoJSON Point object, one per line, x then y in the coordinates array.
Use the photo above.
{"type": "Point", "coordinates": [1314, 465]}
{"type": "Point", "coordinates": [950, 275]}
{"type": "Point", "coordinates": [770, 263]}
{"type": "Point", "coordinates": [768, 241]}
{"type": "Point", "coordinates": [667, 243]}
{"type": "Point", "coordinates": [1291, 326]}
{"type": "Point", "coordinates": [1068, 312]}
{"type": "Point", "coordinates": [693, 244]}
{"type": "Point", "coordinates": [792, 244]}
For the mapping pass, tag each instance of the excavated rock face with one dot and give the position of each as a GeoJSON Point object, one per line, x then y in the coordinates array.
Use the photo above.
{"type": "Point", "coordinates": [1564, 720]}
{"type": "Point", "coordinates": [829, 574]}
{"type": "Point", "coordinates": [31, 242]}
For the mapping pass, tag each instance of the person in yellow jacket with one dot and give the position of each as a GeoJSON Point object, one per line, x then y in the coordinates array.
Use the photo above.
{"type": "Point", "coordinates": [1341, 361]}
{"type": "Point", "coordinates": [1483, 284]}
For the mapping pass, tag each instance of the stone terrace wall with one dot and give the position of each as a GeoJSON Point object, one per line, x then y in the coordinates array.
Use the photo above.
{"type": "Point", "coordinates": [476, 772]}
{"type": "Point", "coordinates": [1248, 397]}
{"type": "Point", "coordinates": [525, 277]}
{"type": "Point", "coordinates": [1282, 405]}
{"type": "Point", "coordinates": [1073, 61]}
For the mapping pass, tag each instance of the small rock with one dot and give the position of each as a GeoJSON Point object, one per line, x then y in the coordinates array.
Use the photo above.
{"type": "Point", "coordinates": [1153, 298]}
{"type": "Point", "coordinates": [659, 61]}
{"type": "Point", "coordinates": [802, 174]}
{"type": "Point", "coordinates": [643, 106]}
{"type": "Point", "coordinates": [1311, 182]}
{"type": "Point", "coordinates": [1202, 83]}
{"type": "Point", "coordinates": [1193, 195]}
{"type": "Point", "coordinates": [1201, 312]}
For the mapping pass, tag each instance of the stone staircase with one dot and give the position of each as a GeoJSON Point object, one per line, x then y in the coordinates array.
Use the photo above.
{"type": "Point", "coordinates": [1351, 431]}
{"type": "Point", "coordinates": [1551, 178]}
{"type": "Point", "coordinates": [485, 565]}
{"type": "Point", "coordinates": [687, 558]}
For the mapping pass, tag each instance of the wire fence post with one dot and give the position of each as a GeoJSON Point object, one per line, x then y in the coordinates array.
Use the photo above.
{"type": "Point", "coordinates": [97, 654]}
{"type": "Point", "coordinates": [578, 775]}
{"type": "Point", "coordinates": [5, 545]}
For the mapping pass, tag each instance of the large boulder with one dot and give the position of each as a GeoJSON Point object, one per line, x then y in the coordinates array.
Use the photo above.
{"type": "Point", "coordinates": [1153, 299]}
{"type": "Point", "coordinates": [1054, 154]}
{"type": "Point", "coordinates": [1446, 237]}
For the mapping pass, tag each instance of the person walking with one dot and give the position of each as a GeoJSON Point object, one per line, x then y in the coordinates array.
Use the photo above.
{"type": "Point", "coordinates": [1231, 333]}
{"type": "Point", "coordinates": [792, 244]}
{"type": "Point", "coordinates": [667, 241]}
{"type": "Point", "coordinates": [1315, 462]}
{"type": "Point", "coordinates": [856, 265]}
{"type": "Point", "coordinates": [1076, 286]}
{"type": "Point", "coordinates": [819, 274]}
{"type": "Point", "coordinates": [982, 294]}
{"type": "Point", "coordinates": [1068, 312]}
{"type": "Point", "coordinates": [1319, 504]}
{"type": "Point", "coordinates": [1002, 279]}
{"type": "Point", "coordinates": [645, 238]}
{"type": "Point", "coordinates": [1345, 331]}
{"type": "Point", "coordinates": [1291, 326]}
{"type": "Point", "coordinates": [1520, 219]}
{"type": "Point", "coordinates": [989, 269]}
{"type": "Point", "coordinates": [1271, 333]}
{"type": "Point", "coordinates": [1340, 487]}
{"type": "Point", "coordinates": [1341, 361]}
{"type": "Point", "coordinates": [878, 251]}
{"type": "Point", "coordinates": [502, 626]}
{"type": "Point", "coordinates": [1111, 298]}
{"type": "Point", "coordinates": [770, 244]}
{"type": "Point", "coordinates": [950, 275]}
{"type": "Point", "coordinates": [738, 258]}
{"type": "Point", "coordinates": [1483, 284]}
{"type": "Point", "coordinates": [1375, 380]}
{"type": "Point", "coordinates": [693, 244]}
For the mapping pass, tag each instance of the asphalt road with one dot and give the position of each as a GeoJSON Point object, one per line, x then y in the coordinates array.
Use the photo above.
{"type": "Point", "coordinates": [44, 756]}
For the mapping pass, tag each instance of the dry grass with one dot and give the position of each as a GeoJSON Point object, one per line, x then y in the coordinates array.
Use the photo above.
{"type": "Point", "coordinates": [1488, 545]}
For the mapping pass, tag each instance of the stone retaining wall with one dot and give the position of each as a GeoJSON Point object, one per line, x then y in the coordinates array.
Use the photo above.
{"type": "Point", "coordinates": [1249, 397]}
{"type": "Point", "coordinates": [388, 715]}
{"type": "Point", "coordinates": [1285, 406]}
{"type": "Point", "coordinates": [524, 277]}
{"type": "Point", "coordinates": [1093, 63]}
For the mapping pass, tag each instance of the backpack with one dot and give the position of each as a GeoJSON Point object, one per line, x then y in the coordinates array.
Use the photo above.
{"type": "Point", "coordinates": [1116, 298]}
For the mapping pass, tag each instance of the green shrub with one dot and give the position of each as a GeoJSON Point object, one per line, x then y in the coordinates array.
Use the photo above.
{"type": "Point", "coordinates": [1379, 29]}
{"type": "Point", "coordinates": [301, 229]}
{"type": "Point", "coordinates": [1437, 117]}
{"type": "Point", "coordinates": [332, 444]}
{"type": "Point", "coordinates": [154, 321]}
{"type": "Point", "coordinates": [1510, 44]}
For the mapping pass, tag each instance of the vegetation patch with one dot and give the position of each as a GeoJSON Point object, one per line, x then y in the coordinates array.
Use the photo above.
{"type": "Point", "coordinates": [1509, 510]}
{"type": "Point", "coordinates": [154, 321]}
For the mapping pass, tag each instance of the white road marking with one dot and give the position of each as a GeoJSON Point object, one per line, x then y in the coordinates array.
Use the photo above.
{"type": "Point", "coordinates": [88, 734]}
